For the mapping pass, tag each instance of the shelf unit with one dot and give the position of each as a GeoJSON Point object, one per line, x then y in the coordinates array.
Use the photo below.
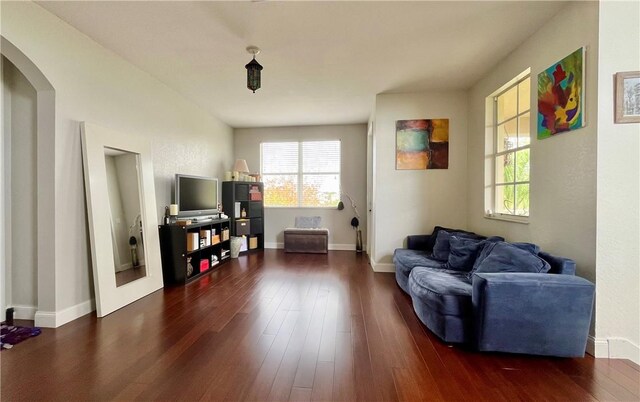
{"type": "Point", "coordinates": [176, 255]}
{"type": "Point", "coordinates": [247, 196]}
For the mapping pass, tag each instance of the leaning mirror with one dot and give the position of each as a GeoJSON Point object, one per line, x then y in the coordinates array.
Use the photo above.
{"type": "Point", "coordinates": [125, 218]}
{"type": "Point", "coordinates": [119, 186]}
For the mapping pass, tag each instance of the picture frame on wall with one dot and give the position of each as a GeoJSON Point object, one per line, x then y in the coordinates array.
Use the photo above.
{"type": "Point", "coordinates": [561, 96]}
{"type": "Point", "coordinates": [422, 144]}
{"type": "Point", "coordinates": [627, 97]}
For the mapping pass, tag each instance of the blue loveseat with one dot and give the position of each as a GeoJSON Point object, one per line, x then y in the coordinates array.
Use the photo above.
{"type": "Point", "coordinates": [494, 295]}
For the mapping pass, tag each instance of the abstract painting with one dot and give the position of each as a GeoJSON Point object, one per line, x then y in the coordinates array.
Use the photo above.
{"type": "Point", "coordinates": [561, 96]}
{"type": "Point", "coordinates": [422, 144]}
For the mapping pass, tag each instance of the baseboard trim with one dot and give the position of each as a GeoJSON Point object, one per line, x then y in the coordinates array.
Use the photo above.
{"type": "Point", "coordinates": [342, 247]}
{"type": "Point", "coordinates": [55, 319]}
{"type": "Point", "coordinates": [381, 266]}
{"type": "Point", "coordinates": [620, 348]}
{"type": "Point", "coordinates": [613, 348]}
{"type": "Point", "coordinates": [24, 312]}
{"type": "Point", "coordinates": [45, 319]}
{"type": "Point", "coordinates": [597, 347]}
{"type": "Point", "coordinates": [332, 246]}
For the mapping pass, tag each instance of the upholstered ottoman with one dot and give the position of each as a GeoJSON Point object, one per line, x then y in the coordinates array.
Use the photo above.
{"type": "Point", "coordinates": [297, 240]}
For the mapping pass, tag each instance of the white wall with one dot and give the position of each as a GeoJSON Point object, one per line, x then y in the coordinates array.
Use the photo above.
{"type": "Point", "coordinates": [5, 102]}
{"type": "Point", "coordinates": [353, 179]}
{"type": "Point", "coordinates": [563, 168]}
{"type": "Point", "coordinates": [93, 84]}
{"type": "Point", "coordinates": [414, 201]}
{"type": "Point", "coordinates": [618, 198]}
{"type": "Point", "coordinates": [20, 184]}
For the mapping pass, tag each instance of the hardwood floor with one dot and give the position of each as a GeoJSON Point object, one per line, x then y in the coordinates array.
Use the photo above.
{"type": "Point", "coordinates": [130, 275]}
{"type": "Point", "coordinates": [276, 326]}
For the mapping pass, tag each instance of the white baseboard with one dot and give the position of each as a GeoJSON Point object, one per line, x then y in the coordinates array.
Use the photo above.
{"type": "Point", "coordinates": [45, 319]}
{"type": "Point", "coordinates": [384, 267]}
{"type": "Point", "coordinates": [24, 312]}
{"type": "Point", "coordinates": [343, 247]}
{"type": "Point", "coordinates": [597, 347]}
{"type": "Point", "coordinates": [381, 266]}
{"type": "Point", "coordinates": [332, 246]}
{"type": "Point", "coordinates": [613, 348]}
{"type": "Point", "coordinates": [55, 319]}
{"type": "Point", "coordinates": [620, 348]}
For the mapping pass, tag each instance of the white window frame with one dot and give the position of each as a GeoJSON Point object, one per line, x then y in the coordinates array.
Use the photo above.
{"type": "Point", "coordinates": [492, 213]}
{"type": "Point", "coordinates": [300, 173]}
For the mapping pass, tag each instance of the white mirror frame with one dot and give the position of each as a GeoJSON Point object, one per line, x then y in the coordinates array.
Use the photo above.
{"type": "Point", "coordinates": [110, 297]}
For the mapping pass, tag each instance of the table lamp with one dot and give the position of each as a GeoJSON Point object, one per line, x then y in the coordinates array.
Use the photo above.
{"type": "Point", "coordinates": [240, 168]}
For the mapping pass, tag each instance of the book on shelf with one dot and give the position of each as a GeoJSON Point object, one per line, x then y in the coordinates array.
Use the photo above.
{"type": "Point", "coordinates": [193, 241]}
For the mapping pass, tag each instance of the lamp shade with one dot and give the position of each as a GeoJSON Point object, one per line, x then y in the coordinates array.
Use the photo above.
{"type": "Point", "coordinates": [241, 166]}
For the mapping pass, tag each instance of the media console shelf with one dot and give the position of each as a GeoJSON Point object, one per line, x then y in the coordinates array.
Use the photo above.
{"type": "Point", "coordinates": [180, 246]}
{"type": "Point", "coordinates": [243, 202]}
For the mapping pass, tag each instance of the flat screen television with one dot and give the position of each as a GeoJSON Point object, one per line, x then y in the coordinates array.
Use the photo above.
{"type": "Point", "coordinates": [196, 196]}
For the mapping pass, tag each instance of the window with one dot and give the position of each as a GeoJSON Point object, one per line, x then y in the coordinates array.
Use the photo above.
{"type": "Point", "coordinates": [509, 184]}
{"type": "Point", "coordinates": [300, 174]}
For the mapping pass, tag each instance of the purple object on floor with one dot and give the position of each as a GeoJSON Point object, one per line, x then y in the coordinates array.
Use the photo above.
{"type": "Point", "coordinates": [11, 335]}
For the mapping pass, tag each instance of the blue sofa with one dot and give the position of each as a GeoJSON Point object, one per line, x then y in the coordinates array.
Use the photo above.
{"type": "Point", "coordinates": [494, 295]}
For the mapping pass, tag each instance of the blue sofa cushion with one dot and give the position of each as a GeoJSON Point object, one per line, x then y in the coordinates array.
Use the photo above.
{"type": "Point", "coordinates": [405, 260]}
{"type": "Point", "coordinates": [431, 242]}
{"type": "Point", "coordinates": [530, 247]}
{"type": "Point", "coordinates": [463, 253]}
{"type": "Point", "coordinates": [445, 291]}
{"type": "Point", "coordinates": [442, 247]}
{"type": "Point", "coordinates": [508, 257]}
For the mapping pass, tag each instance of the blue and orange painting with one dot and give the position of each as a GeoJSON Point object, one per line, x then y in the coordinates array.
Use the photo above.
{"type": "Point", "coordinates": [422, 144]}
{"type": "Point", "coordinates": [561, 97]}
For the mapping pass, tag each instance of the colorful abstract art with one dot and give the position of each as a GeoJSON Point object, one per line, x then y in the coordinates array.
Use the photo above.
{"type": "Point", "coordinates": [422, 144]}
{"type": "Point", "coordinates": [561, 96]}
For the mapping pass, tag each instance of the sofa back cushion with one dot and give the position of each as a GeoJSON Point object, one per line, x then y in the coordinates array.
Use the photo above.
{"type": "Point", "coordinates": [442, 247]}
{"type": "Point", "coordinates": [463, 253]}
{"type": "Point", "coordinates": [431, 242]}
{"type": "Point", "coordinates": [509, 257]}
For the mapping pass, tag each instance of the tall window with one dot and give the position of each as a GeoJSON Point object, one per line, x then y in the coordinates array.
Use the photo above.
{"type": "Point", "coordinates": [511, 143]}
{"type": "Point", "coordinates": [300, 174]}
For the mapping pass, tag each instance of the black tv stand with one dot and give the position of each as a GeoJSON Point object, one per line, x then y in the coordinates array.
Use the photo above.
{"type": "Point", "coordinates": [174, 253]}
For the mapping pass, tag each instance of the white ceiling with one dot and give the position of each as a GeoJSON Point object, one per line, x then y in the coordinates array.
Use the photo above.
{"type": "Point", "coordinates": [324, 62]}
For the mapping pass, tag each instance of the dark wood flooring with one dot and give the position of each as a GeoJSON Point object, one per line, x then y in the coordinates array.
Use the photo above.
{"type": "Point", "coordinates": [275, 326]}
{"type": "Point", "coordinates": [130, 275]}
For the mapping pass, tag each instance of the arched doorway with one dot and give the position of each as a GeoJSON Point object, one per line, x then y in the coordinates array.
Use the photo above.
{"type": "Point", "coordinates": [44, 205]}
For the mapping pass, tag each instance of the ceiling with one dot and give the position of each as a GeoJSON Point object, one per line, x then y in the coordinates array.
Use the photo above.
{"type": "Point", "coordinates": [324, 62]}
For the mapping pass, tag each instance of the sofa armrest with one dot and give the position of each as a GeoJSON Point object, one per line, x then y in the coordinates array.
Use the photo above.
{"type": "Point", "coordinates": [542, 314]}
{"type": "Point", "coordinates": [418, 242]}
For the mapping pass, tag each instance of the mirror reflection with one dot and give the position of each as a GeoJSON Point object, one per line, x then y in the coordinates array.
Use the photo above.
{"type": "Point", "coordinates": [126, 221]}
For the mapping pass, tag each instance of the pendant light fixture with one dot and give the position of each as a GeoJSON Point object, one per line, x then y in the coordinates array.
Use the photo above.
{"type": "Point", "coordinates": [253, 70]}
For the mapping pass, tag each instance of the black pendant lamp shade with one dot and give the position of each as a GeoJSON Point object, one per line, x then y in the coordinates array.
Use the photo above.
{"type": "Point", "coordinates": [253, 70]}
